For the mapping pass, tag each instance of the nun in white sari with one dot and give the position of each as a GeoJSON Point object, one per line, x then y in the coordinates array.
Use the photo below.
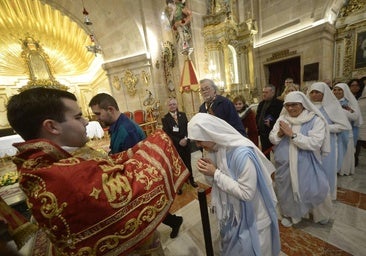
{"type": "Point", "coordinates": [352, 110]}
{"type": "Point", "coordinates": [242, 192]}
{"type": "Point", "coordinates": [301, 137]}
{"type": "Point", "coordinates": [323, 98]}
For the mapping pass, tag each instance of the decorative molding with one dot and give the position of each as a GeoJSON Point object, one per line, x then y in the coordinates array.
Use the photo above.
{"type": "Point", "coordinates": [132, 62]}
{"type": "Point", "coordinates": [281, 28]}
{"type": "Point", "coordinates": [281, 54]}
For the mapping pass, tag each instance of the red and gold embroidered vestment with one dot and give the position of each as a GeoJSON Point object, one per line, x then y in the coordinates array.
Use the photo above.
{"type": "Point", "coordinates": [89, 203]}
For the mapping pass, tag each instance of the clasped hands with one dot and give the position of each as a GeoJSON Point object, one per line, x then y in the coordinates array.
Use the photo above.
{"type": "Point", "coordinates": [285, 129]}
{"type": "Point", "coordinates": [348, 109]}
{"type": "Point", "coordinates": [206, 166]}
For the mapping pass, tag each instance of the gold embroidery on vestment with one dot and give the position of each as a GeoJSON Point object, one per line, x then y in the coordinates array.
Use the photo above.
{"type": "Point", "coordinates": [95, 193]}
{"type": "Point", "coordinates": [117, 189]}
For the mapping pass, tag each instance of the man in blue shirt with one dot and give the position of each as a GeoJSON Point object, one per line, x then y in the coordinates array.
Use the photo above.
{"type": "Point", "coordinates": [124, 134]}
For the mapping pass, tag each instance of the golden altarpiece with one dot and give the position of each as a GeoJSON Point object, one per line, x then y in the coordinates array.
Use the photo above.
{"type": "Point", "coordinates": [38, 66]}
{"type": "Point", "coordinates": [350, 42]}
{"type": "Point", "coordinates": [229, 49]}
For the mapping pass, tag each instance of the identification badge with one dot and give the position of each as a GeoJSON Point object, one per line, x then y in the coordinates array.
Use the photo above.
{"type": "Point", "coordinates": [175, 128]}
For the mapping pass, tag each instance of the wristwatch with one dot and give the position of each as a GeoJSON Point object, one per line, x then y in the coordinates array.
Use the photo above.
{"type": "Point", "coordinates": [294, 135]}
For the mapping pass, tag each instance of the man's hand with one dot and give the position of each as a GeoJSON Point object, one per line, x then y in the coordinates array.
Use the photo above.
{"type": "Point", "coordinates": [183, 142]}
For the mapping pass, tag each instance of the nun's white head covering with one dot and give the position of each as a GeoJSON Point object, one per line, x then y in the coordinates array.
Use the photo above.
{"type": "Point", "coordinates": [206, 127]}
{"type": "Point", "coordinates": [310, 111]}
{"type": "Point", "coordinates": [300, 97]}
{"type": "Point", "coordinates": [330, 104]}
{"type": "Point", "coordinates": [353, 104]}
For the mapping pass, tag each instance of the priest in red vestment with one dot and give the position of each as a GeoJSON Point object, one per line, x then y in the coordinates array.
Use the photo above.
{"type": "Point", "coordinates": [87, 202]}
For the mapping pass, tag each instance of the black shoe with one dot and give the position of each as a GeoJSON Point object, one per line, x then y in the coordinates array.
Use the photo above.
{"type": "Point", "coordinates": [176, 227]}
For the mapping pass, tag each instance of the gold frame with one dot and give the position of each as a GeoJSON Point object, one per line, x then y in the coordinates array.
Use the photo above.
{"type": "Point", "coordinates": [359, 53]}
{"type": "Point", "coordinates": [38, 66]}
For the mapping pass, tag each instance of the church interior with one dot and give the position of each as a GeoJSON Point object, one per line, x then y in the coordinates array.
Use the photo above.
{"type": "Point", "coordinates": [142, 54]}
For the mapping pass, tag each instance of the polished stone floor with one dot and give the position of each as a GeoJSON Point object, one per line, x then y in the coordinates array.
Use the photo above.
{"type": "Point", "coordinates": [345, 234]}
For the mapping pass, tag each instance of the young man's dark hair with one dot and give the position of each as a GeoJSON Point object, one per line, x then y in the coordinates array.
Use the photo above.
{"type": "Point", "coordinates": [36, 105]}
{"type": "Point", "coordinates": [104, 100]}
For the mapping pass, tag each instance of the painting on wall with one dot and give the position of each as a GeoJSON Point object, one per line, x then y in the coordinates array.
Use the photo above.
{"type": "Point", "coordinates": [311, 72]}
{"type": "Point", "coordinates": [360, 53]}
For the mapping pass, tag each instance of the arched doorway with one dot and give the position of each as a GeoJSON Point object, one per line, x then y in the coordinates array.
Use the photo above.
{"type": "Point", "coordinates": [279, 71]}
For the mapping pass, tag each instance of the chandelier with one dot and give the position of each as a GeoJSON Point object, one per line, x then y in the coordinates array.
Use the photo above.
{"type": "Point", "coordinates": [94, 47]}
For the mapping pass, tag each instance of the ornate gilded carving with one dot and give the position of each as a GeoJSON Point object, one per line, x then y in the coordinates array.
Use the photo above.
{"type": "Point", "coordinates": [145, 77]}
{"type": "Point", "coordinates": [227, 43]}
{"type": "Point", "coordinates": [3, 101]}
{"type": "Point", "coordinates": [152, 107]}
{"type": "Point", "coordinates": [211, 20]}
{"type": "Point", "coordinates": [348, 59]}
{"type": "Point", "coordinates": [348, 41]}
{"type": "Point", "coordinates": [338, 61]}
{"type": "Point", "coordinates": [130, 81]}
{"type": "Point", "coordinates": [169, 55]}
{"type": "Point", "coordinates": [38, 65]}
{"type": "Point", "coordinates": [351, 7]}
{"type": "Point", "coordinates": [149, 100]}
{"type": "Point", "coordinates": [36, 59]}
{"type": "Point", "coordinates": [44, 83]}
{"type": "Point", "coordinates": [116, 83]}
{"type": "Point", "coordinates": [169, 58]}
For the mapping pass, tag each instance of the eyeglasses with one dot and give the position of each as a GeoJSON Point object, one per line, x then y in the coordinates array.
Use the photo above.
{"type": "Point", "coordinates": [205, 89]}
{"type": "Point", "coordinates": [292, 105]}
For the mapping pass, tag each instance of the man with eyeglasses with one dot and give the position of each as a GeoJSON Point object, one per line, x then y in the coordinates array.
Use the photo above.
{"type": "Point", "coordinates": [219, 106]}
